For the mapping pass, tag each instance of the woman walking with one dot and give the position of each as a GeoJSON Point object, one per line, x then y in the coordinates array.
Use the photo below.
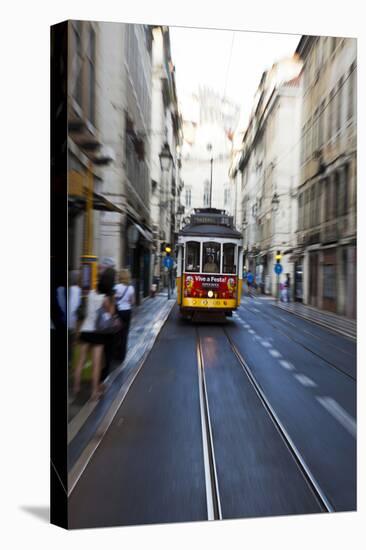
{"type": "Point", "coordinates": [125, 299]}
{"type": "Point", "coordinates": [90, 338]}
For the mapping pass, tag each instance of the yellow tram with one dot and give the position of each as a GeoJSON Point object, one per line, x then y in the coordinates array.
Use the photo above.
{"type": "Point", "coordinates": [209, 264]}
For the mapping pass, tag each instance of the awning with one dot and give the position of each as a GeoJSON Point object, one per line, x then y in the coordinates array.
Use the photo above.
{"type": "Point", "coordinates": [99, 203]}
{"type": "Point", "coordinates": [146, 234]}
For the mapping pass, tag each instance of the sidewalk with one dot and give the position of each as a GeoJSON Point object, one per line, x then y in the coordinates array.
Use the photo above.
{"type": "Point", "coordinates": [337, 323]}
{"type": "Point", "coordinates": [146, 322]}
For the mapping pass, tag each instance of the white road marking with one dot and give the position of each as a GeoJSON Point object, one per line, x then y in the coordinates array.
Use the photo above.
{"type": "Point", "coordinates": [255, 309]}
{"type": "Point", "coordinates": [275, 353]}
{"type": "Point", "coordinates": [286, 365]}
{"type": "Point", "coordinates": [266, 344]}
{"type": "Point", "coordinates": [251, 331]}
{"type": "Point", "coordinates": [305, 381]}
{"type": "Point", "coordinates": [347, 421]}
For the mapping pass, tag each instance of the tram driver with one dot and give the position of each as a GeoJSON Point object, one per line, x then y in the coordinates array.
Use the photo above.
{"type": "Point", "coordinates": [210, 266]}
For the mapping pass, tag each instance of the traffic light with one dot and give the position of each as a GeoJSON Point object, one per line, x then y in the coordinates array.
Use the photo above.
{"type": "Point", "coordinates": [278, 256]}
{"type": "Point", "coordinates": [165, 248]}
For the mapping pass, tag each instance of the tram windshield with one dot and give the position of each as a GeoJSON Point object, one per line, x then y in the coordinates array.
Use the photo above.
{"type": "Point", "coordinates": [193, 257]}
{"type": "Point", "coordinates": [211, 258]}
{"type": "Point", "coordinates": [229, 258]}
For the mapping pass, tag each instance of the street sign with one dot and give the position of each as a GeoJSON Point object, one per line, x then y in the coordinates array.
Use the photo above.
{"type": "Point", "coordinates": [168, 262]}
{"type": "Point", "coordinates": [278, 269]}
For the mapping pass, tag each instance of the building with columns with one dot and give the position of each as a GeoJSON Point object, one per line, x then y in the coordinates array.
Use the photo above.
{"type": "Point", "coordinates": [326, 254]}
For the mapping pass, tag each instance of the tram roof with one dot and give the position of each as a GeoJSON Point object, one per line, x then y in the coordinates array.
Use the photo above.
{"type": "Point", "coordinates": [210, 230]}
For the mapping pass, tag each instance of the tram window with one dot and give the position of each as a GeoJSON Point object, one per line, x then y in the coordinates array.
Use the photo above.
{"type": "Point", "coordinates": [193, 256]}
{"type": "Point", "coordinates": [229, 258]}
{"type": "Point", "coordinates": [211, 257]}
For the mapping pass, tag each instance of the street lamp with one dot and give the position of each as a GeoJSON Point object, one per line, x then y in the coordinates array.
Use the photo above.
{"type": "Point", "coordinates": [166, 158]}
{"type": "Point", "coordinates": [209, 149]}
{"type": "Point", "coordinates": [166, 161]}
{"type": "Point", "coordinates": [275, 205]}
{"type": "Point", "coordinates": [275, 202]}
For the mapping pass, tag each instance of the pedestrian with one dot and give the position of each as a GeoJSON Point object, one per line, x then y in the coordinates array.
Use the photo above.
{"type": "Point", "coordinates": [287, 285]}
{"type": "Point", "coordinates": [250, 283]}
{"type": "Point", "coordinates": [90, 338]}
{"type": "Point", "coordinates": [125, 300]}
{"type": "Point", "coordinates": [74, 304]}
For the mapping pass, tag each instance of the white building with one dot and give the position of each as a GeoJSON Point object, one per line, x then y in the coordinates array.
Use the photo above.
{"type": "Point", "coordinates": [109, 108]}
{"type": "Point", "coordinates": [207, 124]}
{"type": "Point", "coordinates": [165, 133]}
{"type": "Point", "coordinates": [266, 172]}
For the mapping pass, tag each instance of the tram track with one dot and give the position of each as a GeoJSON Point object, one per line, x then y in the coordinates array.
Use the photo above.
{"type": "Point", "coordinates": [329, 363]}
{"type": "Point", "coordinates": [212, 478]}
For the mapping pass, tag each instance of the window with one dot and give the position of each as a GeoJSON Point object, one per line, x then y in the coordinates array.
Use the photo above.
{"type": "Point", "coordinates": [339, 105]}
{"type": "Point", "coordinates": [229, 258]}
{"type": "Point", "coordinates": [91, 75]}
{"type": "Point", "coordinates": [301, 211]}
{"type": "Point", "coordinates": [315, 145]}
{"type": "Point", "coordinates": [329, 282]}
{"type": "Point", "coordinates": [303, 145]}
{"type": "Point", "coordinates": [307, 217]}
{"type": "Point", "coordinates": [330, 115]}
{"type": "Point", "coordinates": [78, 90]}
{"type": "Point", "coordinates": [211, 258]}
{"type": "Point", "coordinates": [312, 206]}
{"type": "Point", "coordinates": [321, 124]}
{"type": "Point", "coordinates": [188, 197]}
{"type": "Point", "coordinates": [206, 193]}
{"type": "Point", "coordinates": [318, 202]}
{"type": "Point", "coordinates": [193, 256]}
{"type": "Point", "coordinates": [329, 204]}
{"type": "Point", "coordinates": [226, 197]}
{"type": "Point", "coordinates": [351, 91]}
{"type": "Point", "coordinates": [342, 191]}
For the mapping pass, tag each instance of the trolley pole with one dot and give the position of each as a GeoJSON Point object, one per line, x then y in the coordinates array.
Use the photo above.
{"type": "Point", "coordinates": [211, 161]}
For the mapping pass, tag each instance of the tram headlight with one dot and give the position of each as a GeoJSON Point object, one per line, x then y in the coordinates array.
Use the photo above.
{"type": "Point", "coordinates": [210, 293]}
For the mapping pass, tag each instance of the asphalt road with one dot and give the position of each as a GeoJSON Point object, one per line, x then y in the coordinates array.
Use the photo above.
{"type": "Point", "coordinates": [312, 387]}
{"type": "Point", "coordinates": [149, 467]}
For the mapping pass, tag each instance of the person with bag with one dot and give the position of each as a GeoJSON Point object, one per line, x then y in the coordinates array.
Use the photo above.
{"type": "Point", "coordinates": [98, 328]}
{"type": "Point", "coordinates": [125, 299]}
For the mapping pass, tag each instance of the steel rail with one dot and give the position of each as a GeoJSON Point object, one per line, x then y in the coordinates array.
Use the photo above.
{"type": "Point", "coordinates": [211, 479]}
{"type": "Point", "coordinates": [325, 504]}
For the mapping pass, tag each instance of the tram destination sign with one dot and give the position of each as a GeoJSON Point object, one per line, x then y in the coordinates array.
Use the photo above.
{"type": "Point", "coordinates": [201, 219]}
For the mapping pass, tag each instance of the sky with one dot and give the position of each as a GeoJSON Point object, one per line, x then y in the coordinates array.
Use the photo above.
{"type": "Point", "coordinates": [231, 62]}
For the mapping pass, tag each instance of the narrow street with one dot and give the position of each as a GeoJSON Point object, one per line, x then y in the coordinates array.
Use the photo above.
{"type": "Point", "coordinates": [252, 417]}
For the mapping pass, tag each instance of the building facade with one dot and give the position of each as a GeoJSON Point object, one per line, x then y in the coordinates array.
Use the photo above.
{"type": "Point", "coordinates": [266, 175]}
{"type": "Point", "coordinates": [208, 121]}
{"type": "Point", "coordinates": [166, 138]}
{"type": "Point", "coordinates": [327, 189]}
{"type": "Point", "coordinates": [109, 110]}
